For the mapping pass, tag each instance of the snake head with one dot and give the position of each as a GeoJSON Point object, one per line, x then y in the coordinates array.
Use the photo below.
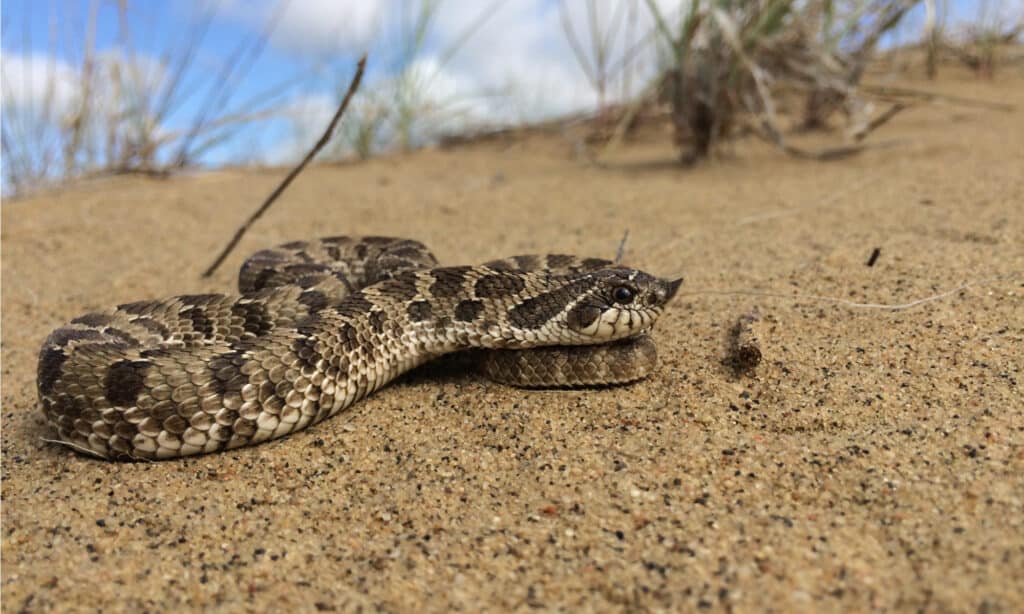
{"type": "Point", "coordinates": [620, 303]}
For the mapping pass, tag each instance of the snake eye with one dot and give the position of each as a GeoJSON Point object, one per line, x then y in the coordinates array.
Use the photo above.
{"type": "Point", "coordinates": [623, 295]}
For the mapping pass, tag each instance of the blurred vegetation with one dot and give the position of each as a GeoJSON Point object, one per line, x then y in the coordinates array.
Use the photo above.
{"type": "Point", "coordinates": [112, 111]}
{"type": "Point", "coordinates": [730, 61]}
{"type": "Point", "coordinates": [978, 45]}
{"type": "Point", "coordinates": [723, 68]}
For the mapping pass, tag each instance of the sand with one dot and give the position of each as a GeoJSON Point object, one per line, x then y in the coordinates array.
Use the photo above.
{"type": "Point", "coordinates": [873, 459]}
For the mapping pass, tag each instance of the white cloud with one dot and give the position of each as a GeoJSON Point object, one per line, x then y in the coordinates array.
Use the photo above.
{"type": "Point", "coordinates": [45, 120]}
{"type": "Point", "coordinates": [509, 61]}
{"type": "Point", "coordinates": [30, 82]}
{"type": "Point", "coordinates": [316, 27]}
{"type": "Point", "coordinates": [523, 49]}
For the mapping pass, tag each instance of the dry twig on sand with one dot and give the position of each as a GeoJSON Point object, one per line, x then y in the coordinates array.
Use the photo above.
{"type": "Point", "coordinates": [744, 341]}
{"type": "Point", "coordinates": [896, 92]}
{"type": "Point", "coordinates": [353, 86]}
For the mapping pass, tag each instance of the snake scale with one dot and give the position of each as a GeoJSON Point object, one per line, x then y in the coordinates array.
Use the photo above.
{"type": "Point", "coordinates": [322, 324]}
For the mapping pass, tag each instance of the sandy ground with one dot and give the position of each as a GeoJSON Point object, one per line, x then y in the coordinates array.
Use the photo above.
{"type": "Point", "coordinates": [874, 459]}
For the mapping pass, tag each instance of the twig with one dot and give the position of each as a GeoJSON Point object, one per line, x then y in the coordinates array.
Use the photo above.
{"type": "Point", "coordinates": [932, 96]}
{"type": "Point", "coordinates": [621, 251]}
{"type": "Point", "coordinates": [873, 258]}
{"type": "Point", "coordinates": [854, 304]}
{"type": "Point", "coordinates": [768, 133]}
{"type": "Point", "coordinates": [352, 87]}
{"type": "Point", "coordinates": [745, 344]}
{"type": "Point", "coordinates": [878, 121]}
{"type": "Point", "coordinates": [74, 446]}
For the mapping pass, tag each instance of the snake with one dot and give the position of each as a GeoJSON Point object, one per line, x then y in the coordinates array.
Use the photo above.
{"type": "Point", "coordinates": [318, 325]}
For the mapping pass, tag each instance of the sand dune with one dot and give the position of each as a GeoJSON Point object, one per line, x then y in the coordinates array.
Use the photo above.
{"type": "Point", "coordinates": [874, 459]}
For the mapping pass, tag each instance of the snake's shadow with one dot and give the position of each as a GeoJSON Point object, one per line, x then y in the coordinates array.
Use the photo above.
{"type": "Point", "coordinates": [458, 367]}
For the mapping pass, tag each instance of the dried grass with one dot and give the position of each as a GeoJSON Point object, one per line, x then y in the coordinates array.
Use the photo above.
{"type": "Point", "coordinates": [126, 112]}
{"type": "Point", "coordinates": [736, 64]}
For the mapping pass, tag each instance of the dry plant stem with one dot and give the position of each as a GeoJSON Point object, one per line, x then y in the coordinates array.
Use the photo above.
{"type": "Point", "coordinates": [880, 120]}
{"type": "Point", "coordinates": [854, 304]}
{"type": "Point", "coordinates": [621, 251]}
{"type": "Point", "coordinates": [353, 86]}
{"type": "Point", "coordinates": [771, 135]}
{"type": "Point", "coordinates": [883, 90]}
{"type": "Point", "coordinates": [745, 353]}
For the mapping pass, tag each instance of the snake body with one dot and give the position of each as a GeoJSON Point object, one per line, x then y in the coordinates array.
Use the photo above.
{"type": "Point", "coordinates": [322, 324]}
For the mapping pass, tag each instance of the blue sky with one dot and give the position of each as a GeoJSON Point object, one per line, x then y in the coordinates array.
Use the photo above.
{"type": "Point", "coordinates": [517, 65]}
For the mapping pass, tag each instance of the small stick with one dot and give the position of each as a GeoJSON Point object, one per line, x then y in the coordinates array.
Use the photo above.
{"type": "Point", "coordinates": [74, 446]}
{"type": "Point", "coordinates": [883, 90]}
{"type": "Point", "coordinates": [622, 247]}
{"type": "Point", "coordinates": [825, 155]}
{"type": "Point", "coordinates": [745, 352]}
{"type": "Point", "coordinates": [852, 304]}
{"type": "Point", "coordinates": [881, 119]}
{"type": "Point", "coordinates": [873, 258]}
{"type": "Point", "coordinates": [352, 87]}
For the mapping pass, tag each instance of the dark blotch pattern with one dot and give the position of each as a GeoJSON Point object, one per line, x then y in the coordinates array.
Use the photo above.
{"type": "Point", "coordinates": [156, 353]}
{"type": "Point", "coordinates": [200, 300]}
{"type": "Point", "coordinates": [262, 279]}
{"type": "Point", "coordinates": [297, 272]}
{"type": "Point", "coordinates": [535, 312]}
{"type": "Point", "coordinates": [497, 285]}
{"type": "Point", "coordinates": [583, 315]}
{"type": "Point", "coordinates": [342, 277]}
{"type": "Point", "coordinates": [313, 299]}
{"type": "Point", "coordinates": [254, 317]}
{"type": "Point", "coordinates": [419, 311]}
{"type": "Point", "coordinates": [377, 321]}
{"type": "Point", "coordinates": [527, 263]}
{"type": "Point", "coordinates": [408, 251]}
{"type": "Point", "coordinates": [226, 370]}
{"type": "Point", "coordinates": [349, 338]}
{"type": "Point", "coordinates": [50, 361]}
{"type": "Point", "coordinates": [123, 382]}
{"type": "Point", "coordinates": [500, 265]}
{"type": "Point", "coordinates": [140, 307]}
{"type": "Point", "coordinates": [308, 281]}
{"type": "Point", "coordinates": [152, 326]}
{"type": "Point", "coordinates": [64, 336]}
{"type": "Point", "coordinates": [121, 336]}
{"type": "Point", "coordinates": [354, 306]}
{"type": "Point", "coordinates": [200, 322]}
{"type": "Point", "coordinates": [448, 281]}
{"type": "Point", "coordinates": [592, 264]}
{"type": "Point", "coordinates": [469, 310]}
{"type": "Point", "coordinates": [560, 261]}
{"type": "Point", "coordinates": [305, 348]}
{"type": "Point", "coordinates": [94, 319]}
{"type": "Point", "coordinates": [401, 287]}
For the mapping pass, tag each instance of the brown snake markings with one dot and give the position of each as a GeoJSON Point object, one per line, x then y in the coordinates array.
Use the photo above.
{"type": "Point", "coordinates": [320, 325]}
